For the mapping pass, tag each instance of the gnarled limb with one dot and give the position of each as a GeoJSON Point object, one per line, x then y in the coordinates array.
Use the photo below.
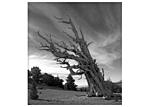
{"type": "Point", "coordinates": [78, 51]}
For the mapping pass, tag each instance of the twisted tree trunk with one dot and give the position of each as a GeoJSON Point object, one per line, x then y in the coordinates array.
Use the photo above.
{"type": "Point", "coordinates": [81, 54]}
{"type": "Point", "coordinates": [96, 85]}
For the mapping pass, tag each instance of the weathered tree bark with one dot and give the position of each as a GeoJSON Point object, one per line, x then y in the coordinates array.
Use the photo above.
{"type": "Point", "coordinates": [81, 54]}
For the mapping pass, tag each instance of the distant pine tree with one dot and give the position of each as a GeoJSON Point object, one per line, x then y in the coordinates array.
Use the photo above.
{"type": "Point", "coordinates": [70, 85]}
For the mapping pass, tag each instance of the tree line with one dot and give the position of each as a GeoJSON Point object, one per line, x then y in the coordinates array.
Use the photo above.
{"type": "Point", "coordinates": [36, 78]}
{"type": "Point", "coordinates": [48, 79]}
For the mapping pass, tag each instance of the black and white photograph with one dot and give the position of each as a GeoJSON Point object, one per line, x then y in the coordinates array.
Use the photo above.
{"type": "Point", "coordinates": [74, 53]}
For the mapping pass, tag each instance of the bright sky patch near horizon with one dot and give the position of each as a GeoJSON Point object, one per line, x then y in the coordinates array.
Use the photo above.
{"type": "Point", "coordinates": [101, 23]}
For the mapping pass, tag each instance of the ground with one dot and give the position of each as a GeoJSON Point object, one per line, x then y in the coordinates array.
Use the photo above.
{"type": "Point", "coordinates": [53, 96]}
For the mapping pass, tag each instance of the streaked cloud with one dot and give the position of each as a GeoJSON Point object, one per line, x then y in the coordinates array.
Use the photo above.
{"type": "Point", "coordinates": [100, 22]}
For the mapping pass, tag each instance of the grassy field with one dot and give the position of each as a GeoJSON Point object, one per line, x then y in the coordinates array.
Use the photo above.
{"type": "Point", "coordinates": [52, 96]}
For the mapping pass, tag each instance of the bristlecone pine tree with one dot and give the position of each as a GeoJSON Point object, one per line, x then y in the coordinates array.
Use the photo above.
{"type": "Point", "coordinates": [76, 49]}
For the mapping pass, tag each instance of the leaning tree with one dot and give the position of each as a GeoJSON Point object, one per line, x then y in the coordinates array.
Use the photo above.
{"type": "Point", "coordinates": [77, 50]}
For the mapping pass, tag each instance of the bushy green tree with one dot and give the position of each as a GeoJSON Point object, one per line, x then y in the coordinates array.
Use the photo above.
{"type": "Point", "coordinates": [113, 86]}
{"type": "Point", "coordinates": [116, 88]}
{"type": "Point", "coordinates": [36, 74]}
{"type": "Point", "coordinates": [48, 79]}
{"type": "Point", "coordinates": [58, 82]}
{"type": "Point", "coordinates": [70, 85]}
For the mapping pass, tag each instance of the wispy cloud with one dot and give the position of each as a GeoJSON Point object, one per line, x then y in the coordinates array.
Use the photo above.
{"type": "Point", "coordinates": [101, 23]}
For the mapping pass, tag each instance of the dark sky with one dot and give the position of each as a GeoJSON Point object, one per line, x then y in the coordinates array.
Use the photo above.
{"type": "Point", "coordinates": [100, 22]}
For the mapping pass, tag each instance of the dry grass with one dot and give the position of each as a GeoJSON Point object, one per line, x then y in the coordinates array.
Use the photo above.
{"type": "Point", "coordinates": [63, 97]}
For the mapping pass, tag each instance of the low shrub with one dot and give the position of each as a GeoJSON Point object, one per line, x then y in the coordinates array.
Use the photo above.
{"type": "Point", "coordinates": [33, 92]}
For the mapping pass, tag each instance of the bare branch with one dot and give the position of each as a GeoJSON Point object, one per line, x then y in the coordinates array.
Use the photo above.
{"type": "Point", "coordinates": [70, 68]}
{"type": "Point", "coordinates": [72, 38]}
{"type": "Point", "coordinates": [82, 34]}
{"type": "Point", "coordinates": [72, 26]}
{"type": "Point", "coordinates": [74, 29]}
{"type": "Point", "coordinates": [64, 46]}
{"type": "Point", "coordinates": [75, 73]}
{"type": "Point", "coordinates": [89, 43]}
{"type": "Point", "coordinates": [49, 42]}
{"type": "Point", "coordinates": [58, 18]}
{"type": "Point", "coordinates": [61, 51]}
{"type": "Point", "coordinates": [57, 51]}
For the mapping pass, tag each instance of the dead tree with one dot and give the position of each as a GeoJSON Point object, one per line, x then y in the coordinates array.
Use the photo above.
{"type": "Point", "coordinates": [77, 49]}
